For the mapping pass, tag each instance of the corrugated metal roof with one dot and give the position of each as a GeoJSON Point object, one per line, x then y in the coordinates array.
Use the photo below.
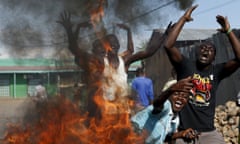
{"type": "Point", "coordinates": [195, 34]}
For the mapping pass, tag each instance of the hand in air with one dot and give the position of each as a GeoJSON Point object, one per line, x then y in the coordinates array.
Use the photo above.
{"type": "Point", "coordinates": [184, 85]}
{"type": "Point", "coordinates": [187, 14]}
{"type": "Point", "coordinates": [223, 21]}
{"type": "Point", "coordinates": [65, 20]}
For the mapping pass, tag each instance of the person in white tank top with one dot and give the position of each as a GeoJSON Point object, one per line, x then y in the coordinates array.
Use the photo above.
{"type": "Point", "coordinates": [105, 64]}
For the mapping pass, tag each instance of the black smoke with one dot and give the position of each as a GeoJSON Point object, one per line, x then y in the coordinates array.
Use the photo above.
{"type": "Point", "coordinates": [29, 24]}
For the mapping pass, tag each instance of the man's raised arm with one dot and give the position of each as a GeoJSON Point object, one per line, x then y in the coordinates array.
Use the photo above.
{"type": "Point", "coordinates": [173, 53]}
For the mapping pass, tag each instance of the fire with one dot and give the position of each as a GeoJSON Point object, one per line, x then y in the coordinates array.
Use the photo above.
{"type": "Point", "coordinates": [60, 121]}
{"type": "Point", "coordinates": [97, 13]}
{"type": "Point", "coordinates": [107, 46]}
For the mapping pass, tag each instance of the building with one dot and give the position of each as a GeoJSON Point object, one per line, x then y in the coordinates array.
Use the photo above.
{"type": "Point", "coordinates": [18, 77]}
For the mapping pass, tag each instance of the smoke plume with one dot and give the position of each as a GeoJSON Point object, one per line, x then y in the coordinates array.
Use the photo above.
{"type": "Point", "coordinates": [28, 25]}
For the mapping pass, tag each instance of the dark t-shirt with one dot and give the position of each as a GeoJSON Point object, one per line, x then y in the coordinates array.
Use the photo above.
{"type": "Point", "coordinates": [200, 110]}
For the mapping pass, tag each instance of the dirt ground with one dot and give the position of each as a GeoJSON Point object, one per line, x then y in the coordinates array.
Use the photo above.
{"type": "Point", "coordinates": [12, 111]}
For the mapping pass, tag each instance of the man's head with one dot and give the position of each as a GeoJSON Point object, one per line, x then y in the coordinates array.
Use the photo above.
{"type": "Point", "coordinates": [178, 100]}
{"type": "Point", "coordinates": [140, 72]}
{"type": "Point", "coordinates": [180, 93]}
{"type": "Point", "coordinates": [113, 42]}
{"type": "Point", "coordinates": [206, 53]}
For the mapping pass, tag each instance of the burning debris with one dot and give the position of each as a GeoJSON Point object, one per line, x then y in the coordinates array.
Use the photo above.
{"type": "Point", "coordinates": [60, 121]}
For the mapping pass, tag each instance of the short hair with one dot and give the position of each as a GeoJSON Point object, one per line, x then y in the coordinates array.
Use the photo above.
{"type": "Point", "coordinates": [207, 42]}
{"type": "Point", "coordinates": [112, 40]}
{"type": "Point", "coordinates": [210, 42]}
{"type": "Point", "coordinates": [139, 71]}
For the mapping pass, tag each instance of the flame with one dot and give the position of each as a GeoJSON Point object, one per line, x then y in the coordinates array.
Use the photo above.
{"type": "Point", "coordinates": [97, 13]}
{"type": "Point", "coordinates": [107, 46]}
{"type": "Point", "coordinates": [59, 121]}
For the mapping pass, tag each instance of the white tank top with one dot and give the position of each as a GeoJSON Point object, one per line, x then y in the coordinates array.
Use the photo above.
{"type": "Point", "coordinates": [114, 82]}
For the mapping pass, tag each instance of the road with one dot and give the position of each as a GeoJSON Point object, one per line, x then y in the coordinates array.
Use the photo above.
{"type": "Point", "coordinates": [12, 111]}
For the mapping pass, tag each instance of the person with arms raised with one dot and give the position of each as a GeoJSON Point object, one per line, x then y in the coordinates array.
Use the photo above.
{"type": "Point", "coordinates": [200, 111]}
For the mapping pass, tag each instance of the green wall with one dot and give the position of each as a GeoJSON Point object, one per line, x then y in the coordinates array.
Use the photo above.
{"type": "Point", "coordinates": [21, 86]}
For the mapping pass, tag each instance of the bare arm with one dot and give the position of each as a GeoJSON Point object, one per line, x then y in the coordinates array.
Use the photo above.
{"type": "Point", "coordinates": [156, 42]}
{"type": "Point", "coordinates": [232, 65]}
{"type": "Point", "coordinates": [173, 53]}
{"type": "Point", "coordinates": [130, 46]}
{"type": "Point", "coordinates": [159, 40]}
{"type": "Point", "coordinates": [65, 21]}
{"type": "Point", "coordinates": [86, 24]}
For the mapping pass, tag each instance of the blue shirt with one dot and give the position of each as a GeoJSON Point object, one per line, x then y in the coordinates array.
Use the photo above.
{"type": "Point", "coordinates": [144, 88]}
{"type": "Point", "coordinates": [157, 125]}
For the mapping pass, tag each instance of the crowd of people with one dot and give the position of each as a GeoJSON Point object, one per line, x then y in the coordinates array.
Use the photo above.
{"type": "Point", "coordinates": [184, 111]}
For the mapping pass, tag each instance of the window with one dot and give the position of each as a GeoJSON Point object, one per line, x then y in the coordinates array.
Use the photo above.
{"type": "Point", "coordinates": [4, 87]}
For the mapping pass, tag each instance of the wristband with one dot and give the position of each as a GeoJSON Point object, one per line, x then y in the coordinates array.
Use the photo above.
{"type": "Point", "coordinates": [229, 30]}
